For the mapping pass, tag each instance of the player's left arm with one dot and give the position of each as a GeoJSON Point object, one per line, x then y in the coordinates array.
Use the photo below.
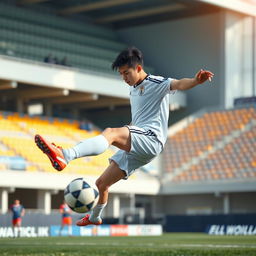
{"type": "Point", "coordinates": [188, 83]}
{"type": "Point", "coordinates": [23, 212]}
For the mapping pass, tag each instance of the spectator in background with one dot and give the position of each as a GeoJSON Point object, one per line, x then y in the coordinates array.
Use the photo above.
{"type": "Point", "coordinates": [49, 59]}
{"type": "Point", "coordinates": [18, 211]}
{"type": "Point", "coordinates": [66, 219]}
{"type": "Point", "coordinates": [86, 125]}
{"type": "Point", "coordinates": [64, 62]}
{"type": "Point", "coordinates": [56, 60]}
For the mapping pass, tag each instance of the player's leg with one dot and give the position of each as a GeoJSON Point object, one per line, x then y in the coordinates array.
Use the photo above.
{"type": "Point", "coordinates": [119, 137]}
{"type": "Point", "coordinates": [110, 176]}
{"type": "Point", "coordinates": [19, 226]}
{"type": "Point", "coordinates": [70, 229]}
{"type": "Point", "coordinates": [16, 227]}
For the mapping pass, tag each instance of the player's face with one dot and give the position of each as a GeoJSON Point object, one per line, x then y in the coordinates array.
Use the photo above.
{"type": "Point", "coordinates": [16, 201]}
{"type": "Point", "coordinates": [129, 74]}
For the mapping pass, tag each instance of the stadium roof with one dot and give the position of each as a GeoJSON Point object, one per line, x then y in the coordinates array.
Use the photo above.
{"type": "Point", "coordinates": [125, 13]}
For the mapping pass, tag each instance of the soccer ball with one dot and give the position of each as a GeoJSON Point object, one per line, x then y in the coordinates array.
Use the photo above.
{"type": "Point", "coordinates": [80, 196]}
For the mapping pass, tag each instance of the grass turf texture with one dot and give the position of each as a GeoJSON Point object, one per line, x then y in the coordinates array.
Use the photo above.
{"type": "Point", "coordinates": [174, 244]}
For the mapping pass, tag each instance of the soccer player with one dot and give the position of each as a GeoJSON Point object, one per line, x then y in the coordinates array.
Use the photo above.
{"type": "Point", "coordinates": [18, 211]}
{"type": "Point", "coordinates": [140, 141]}
{"type": "Point", "coordinates": [66, 219]}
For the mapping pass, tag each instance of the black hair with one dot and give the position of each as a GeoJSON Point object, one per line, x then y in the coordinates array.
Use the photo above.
{"type": "Point", "coordinates": [131, 56]}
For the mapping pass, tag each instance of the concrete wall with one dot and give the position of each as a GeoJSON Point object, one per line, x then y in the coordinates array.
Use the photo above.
{"type": "Point", "coordinates": [243, 202]}
{"type": "Point", "coordinates": [35, 73]}
{"type": "Point", "coordinates": [207, 203]}
{"type": "Point", "coordinates": [184, 204]}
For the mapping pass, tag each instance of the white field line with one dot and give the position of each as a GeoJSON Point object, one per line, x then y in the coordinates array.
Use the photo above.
{"type": "Point", "coordinates": [142, 245]}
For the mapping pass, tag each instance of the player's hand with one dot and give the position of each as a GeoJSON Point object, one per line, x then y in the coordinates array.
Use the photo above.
{"type": "Point", "coordinates": [203, 75]}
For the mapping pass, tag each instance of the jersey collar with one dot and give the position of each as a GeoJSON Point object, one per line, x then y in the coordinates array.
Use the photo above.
{"type": "Point", "coordinates": [141, 81]}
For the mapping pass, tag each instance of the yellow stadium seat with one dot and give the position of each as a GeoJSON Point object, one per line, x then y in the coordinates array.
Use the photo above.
{"type": "Point", "coordinates": [17, 134]}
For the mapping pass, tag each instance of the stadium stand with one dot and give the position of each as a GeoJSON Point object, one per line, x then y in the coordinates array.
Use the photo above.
{"type": "Point", "coordinates": [32, 35]}
{"type": "Point", "coordinates": [17, 139]}
{"type": "Point", "coordinates": [218, 145]}
{"type": "Point", "coordinates": [48, 20]}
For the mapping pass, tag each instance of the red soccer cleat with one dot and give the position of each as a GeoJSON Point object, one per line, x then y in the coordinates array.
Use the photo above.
{"type": "Point", "coordinates": [85, 221]}
{"type": "Point", "coordinates": [54, 152]}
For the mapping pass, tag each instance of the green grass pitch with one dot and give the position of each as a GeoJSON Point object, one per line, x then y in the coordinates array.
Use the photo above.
{"type": "Point", "coordinates": [173, 244]}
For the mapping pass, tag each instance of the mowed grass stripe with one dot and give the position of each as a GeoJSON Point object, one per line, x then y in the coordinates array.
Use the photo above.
{"type": "Point", "coordinates": [109, 244]}
{"type": "Point", "coordinates": [169, 244]}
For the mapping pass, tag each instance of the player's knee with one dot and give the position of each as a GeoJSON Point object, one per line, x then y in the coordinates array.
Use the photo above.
{"type": "Point", "coordinates": [109, 133]}
{"type": "Point", "coordinates": [101, 185]}
{"type": "Point", "coordinates": [108, 130]}
{"type": "Point", "coordinates": [98, 183]}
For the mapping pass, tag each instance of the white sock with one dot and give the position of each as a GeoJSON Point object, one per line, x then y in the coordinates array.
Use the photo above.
{"type": "Point", "coordinates": [69, 230]}
{"type": "Point", "coordinates": [89, 147]}
{"type": "Point", "coordinates": [60, 230]}
{"type": "Point", "coordinates": [96, 212]}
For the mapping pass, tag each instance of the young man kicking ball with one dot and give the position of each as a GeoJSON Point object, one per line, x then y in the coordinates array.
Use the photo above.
{"type": "Point", "coordinates": [138, 142]}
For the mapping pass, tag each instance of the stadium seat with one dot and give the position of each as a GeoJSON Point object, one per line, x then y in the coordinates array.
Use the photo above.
{"type": "Point", "coordinates": [48, 20]}
{"type": "Point", "coordinates": [29, 35]}
{"type": "Point", "coordinates": [235, 160]}
{"type": "Point", "coordinates": [17, 139]}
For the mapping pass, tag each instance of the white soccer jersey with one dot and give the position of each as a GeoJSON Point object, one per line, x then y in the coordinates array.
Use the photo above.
{"type": "Point", "coordinates": [150, 105]}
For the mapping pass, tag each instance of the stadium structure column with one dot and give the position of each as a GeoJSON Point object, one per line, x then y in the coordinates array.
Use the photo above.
{"type": "Point", "coordinates": [114, 206]}
{"type": "Point", "coordinates": [20, 106]}
{"type": "Point", "coordinates": [239, 56]}
{"type": "Point", "coordinates": [3, 200]}
{"type": "Point", "coordinates": [254, 56]}
{"type": "Point", "coordinates": [226, 204]}
{"type": "Point", "coordinates": [48, 109]}
{"type": "Point", "coordinates": [44, 200]}
{"type": "Point", "coordinates": [132, 201]}
{"type": "Point", "coordinates": [75, 113]}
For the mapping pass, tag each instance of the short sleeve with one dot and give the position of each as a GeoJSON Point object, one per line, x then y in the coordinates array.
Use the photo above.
{"type": "Point", "coordinates": [170, 88]}
{"type": "Point", "coordinates": [166, 87]}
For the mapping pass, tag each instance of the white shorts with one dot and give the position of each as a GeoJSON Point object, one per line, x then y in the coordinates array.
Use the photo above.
{"type": "Point", "coordinates": [144, 147]}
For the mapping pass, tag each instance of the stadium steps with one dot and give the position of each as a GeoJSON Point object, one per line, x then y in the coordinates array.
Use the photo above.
{"type": "Point", "coordinates": [44, 19]}
{"type": "Point", "coordinates": [39, 53]}
{"type": "Point", "coordinates": [217, 146]}
{"type": "Point", "coordinates": [55, 44]}
{"type": "Point", "coordinates": [55, 34]}
{"type": "Point", "coordinates": [199, 135]}
{"type": "Point", "coordinates": [5, 151]}
{"type": "Point", "coordinates": [217, 155]}
{"type": "Point", "coordinates": [30, 35]}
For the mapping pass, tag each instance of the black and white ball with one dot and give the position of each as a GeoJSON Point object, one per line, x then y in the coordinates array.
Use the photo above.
{"type": "Point", "coordinates": [80, 196]}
